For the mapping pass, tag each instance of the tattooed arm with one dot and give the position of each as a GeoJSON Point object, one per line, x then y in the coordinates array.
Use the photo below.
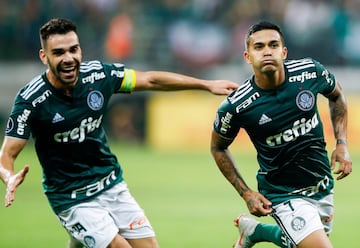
{"type": "Point", "coordinates": [257, 204]}
{"type": "Point", "coordinates": [338, 113]}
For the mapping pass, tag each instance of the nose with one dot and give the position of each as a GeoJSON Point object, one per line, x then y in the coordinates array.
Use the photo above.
{"type": "Point", "coordinates": [267, 51]}
{"type": "Point", "coordinates": [67, 57]}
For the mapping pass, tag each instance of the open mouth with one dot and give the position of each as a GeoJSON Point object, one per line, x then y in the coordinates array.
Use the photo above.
{"type": "Point", "coordinates": [68, 72]}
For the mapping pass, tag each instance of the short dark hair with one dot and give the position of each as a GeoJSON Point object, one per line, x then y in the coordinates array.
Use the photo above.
{"type": "Point", "coordinates": [262, 25]}
{"type": "Point", "coordinates": [56, 26]}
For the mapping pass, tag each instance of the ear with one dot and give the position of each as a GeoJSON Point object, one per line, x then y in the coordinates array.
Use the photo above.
{"type": "Point", "coordinates": [42, 56]}
{"type": "Point", "coordinates": [247, 57]}
{"type": "Point", "coordinates": [285, 52]}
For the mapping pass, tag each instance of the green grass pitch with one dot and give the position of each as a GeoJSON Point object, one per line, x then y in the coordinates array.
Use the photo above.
{"type": "Point", "coordinates": [188, 201]}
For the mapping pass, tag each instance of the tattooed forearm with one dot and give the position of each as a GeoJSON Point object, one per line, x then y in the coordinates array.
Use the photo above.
{"type": "Point", "coordinates": [228, 168]}
{"type": "Point", "coordinates": [226, 163]}
{"type": "Point", "coordinates": [338, 113]}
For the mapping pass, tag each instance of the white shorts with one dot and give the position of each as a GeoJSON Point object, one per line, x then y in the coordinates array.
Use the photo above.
{"type": "Point", "coordinates": [96, 223]}
{"type": "Point", "coordinates": [300, 217]}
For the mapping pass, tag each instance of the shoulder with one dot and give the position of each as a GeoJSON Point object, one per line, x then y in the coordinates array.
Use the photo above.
{"type": "Point", "coordinates": [311, 71]}
{"type": "Point", "coordinates": [92, 65]}
{"type": "Point", "coordinates": [305, 64]}
{"type": "Point", "coordinates": [240, 98]}
{"type": "Point", "coordinates": [95, 70]}
{"type": "Point", "coordinates": [300, 64]}
{"type": "Point", "coordinates": [96, 65]}
{"type": "Point", "coordinates": [33, 90]}
{"type": "Point", "coordinates": [304, 69]}
{"type": "Point", "coordinates": [243, 93]}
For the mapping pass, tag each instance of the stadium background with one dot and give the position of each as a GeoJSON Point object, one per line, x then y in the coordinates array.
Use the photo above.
{"type": "Point", "coordinates": [203, 38]}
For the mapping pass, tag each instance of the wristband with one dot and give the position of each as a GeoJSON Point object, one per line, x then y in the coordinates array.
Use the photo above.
{"type": "Point", "coordinates": [341, 141]}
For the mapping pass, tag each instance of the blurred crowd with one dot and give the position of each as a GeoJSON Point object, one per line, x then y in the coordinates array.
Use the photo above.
{"type": "Point", "coordinates": [185, 35]}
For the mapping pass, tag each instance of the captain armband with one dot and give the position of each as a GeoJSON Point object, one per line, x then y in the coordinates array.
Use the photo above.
{"type": "Point", "coordinates": [129, 81]}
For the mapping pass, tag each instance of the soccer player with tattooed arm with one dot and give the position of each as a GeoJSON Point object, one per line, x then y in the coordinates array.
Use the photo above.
{"type": "Point", "coordinates": [277, 107]}
{"type": "Point", "coordinates": [63, 110]}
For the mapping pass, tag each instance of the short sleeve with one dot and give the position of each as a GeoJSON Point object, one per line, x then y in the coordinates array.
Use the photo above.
{"type": "Point", "coordinates": [326, 79]}
{"type": "Point", "coordinates": [225, 124]}
{"type": "Point", "coordinates": [123, 80]}
{"type": "Point", "coordinates": [19, 121]}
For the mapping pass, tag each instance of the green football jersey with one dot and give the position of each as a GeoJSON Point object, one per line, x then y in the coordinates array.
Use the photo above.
{"type": "Point", "coordinates": [285, 127]}
{"type": "Point", "coordinates": [70, 140]}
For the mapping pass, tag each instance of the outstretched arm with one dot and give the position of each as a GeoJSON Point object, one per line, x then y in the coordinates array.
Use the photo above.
{"type": "Point", "coordinates": [339, 114]}
{"type": "Point", "coordinates": [257, 204]}
{"type": "Point", "coordinates": [9, 151]}
{"type": "Point", "coordinates": [169, 81]}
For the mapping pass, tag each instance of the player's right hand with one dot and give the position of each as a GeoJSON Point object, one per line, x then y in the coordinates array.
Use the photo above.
{"type": "Point", "coordinates": [12, 183]}
{"type": "Point", "coordinates": [342, 156]}
{"type": "Point", "coordinates": [257, 204]}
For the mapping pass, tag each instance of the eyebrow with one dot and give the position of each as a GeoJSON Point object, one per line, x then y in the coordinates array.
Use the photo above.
{"type": "Point", "coordinates": [270, 42]}
{"type": "Point", "coordinates": [55, 50]}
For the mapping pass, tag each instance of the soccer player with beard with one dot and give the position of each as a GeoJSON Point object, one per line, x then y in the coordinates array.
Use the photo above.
{"type": "Point", "coordinates": [277, 108]}
{"type": "Point", "coordinates": [63, 110]}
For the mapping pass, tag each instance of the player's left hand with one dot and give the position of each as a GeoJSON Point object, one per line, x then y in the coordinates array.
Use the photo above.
{"type": "Point", "coordinates": [342, 156]}
{"type": "Point", "coordinates": [13, 182]}
{"type": "Point", "coordinates": [222, 87]}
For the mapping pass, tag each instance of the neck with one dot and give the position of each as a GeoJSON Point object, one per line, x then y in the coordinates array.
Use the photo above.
{"type": "Point", "coordinates": [269, 80]}
{"type": "Point", "coordinates": [66, 88]}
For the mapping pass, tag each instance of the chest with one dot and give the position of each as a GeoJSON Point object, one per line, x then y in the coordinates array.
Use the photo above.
{"type": "Point", "coordinates": [84, 108]}
{"type": "Point", "coordinates": [280, 109]}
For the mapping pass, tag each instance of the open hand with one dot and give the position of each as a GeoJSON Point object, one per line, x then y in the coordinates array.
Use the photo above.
{"type": "Point", "coordinates": [13, 182]}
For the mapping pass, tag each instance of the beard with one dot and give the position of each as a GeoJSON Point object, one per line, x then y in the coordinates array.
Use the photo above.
{"type": "Point", "coordinates": [65, 73]}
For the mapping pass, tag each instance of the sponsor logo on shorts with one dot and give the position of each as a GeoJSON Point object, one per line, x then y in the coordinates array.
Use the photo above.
{"type": "Point", "coordinates": [78, 228]}
{"type": "Point", "coordinates": [89, 241]}
{"type": "Point", "coordinates": [138, 222]}
{"type": "Point", "coordinates": [298, 223]}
